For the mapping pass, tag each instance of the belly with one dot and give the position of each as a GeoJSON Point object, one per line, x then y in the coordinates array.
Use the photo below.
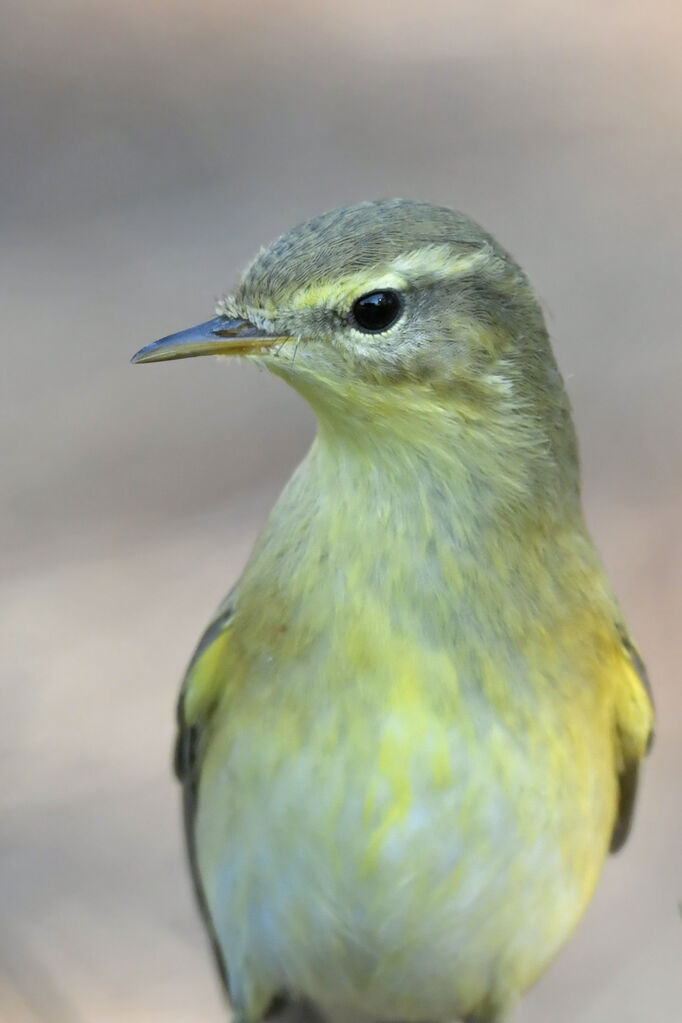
{"type": "Point", "coordinates": [408, 867]}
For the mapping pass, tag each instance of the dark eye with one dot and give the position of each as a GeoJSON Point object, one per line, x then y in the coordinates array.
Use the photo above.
{"type": "Point", "coordinates": [376, 311]}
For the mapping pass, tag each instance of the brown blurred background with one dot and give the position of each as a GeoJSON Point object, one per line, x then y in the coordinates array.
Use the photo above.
{"type": "Point", "coordinates": [148, 149]}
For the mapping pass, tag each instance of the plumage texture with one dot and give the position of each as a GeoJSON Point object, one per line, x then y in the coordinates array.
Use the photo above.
{"type": "Point", "coordinates": [413, 729]}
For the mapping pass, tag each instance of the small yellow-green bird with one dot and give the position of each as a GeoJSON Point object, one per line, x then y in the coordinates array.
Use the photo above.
{"type": "Point", "coordinates": [411, 734]}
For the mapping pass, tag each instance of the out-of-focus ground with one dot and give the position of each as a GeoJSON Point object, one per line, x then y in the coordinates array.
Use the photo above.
{"type": "Point", "coordinates": [148, 150]}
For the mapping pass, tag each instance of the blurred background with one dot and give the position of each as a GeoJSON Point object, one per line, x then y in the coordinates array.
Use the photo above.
{"type": "Point", "coordinates": [148, 150]}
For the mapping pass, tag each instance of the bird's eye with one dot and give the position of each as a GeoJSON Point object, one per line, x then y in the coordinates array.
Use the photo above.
{"type": "Point", "coordinates": [376, 311]}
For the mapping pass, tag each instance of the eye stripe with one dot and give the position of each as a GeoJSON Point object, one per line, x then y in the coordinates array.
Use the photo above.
{"type": "Point", "coordinates": [431, 263]}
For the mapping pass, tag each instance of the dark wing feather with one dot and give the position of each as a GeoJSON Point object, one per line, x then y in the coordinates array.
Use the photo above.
{"type": "Point", "coordinates": [189, 751]}
{"type": "Point", "coordinates": [187, 759]}
{"type": "Point", "coordinates": [629, 775]}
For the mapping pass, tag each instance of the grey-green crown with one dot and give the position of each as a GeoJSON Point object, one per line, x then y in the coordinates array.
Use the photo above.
{"type": "Point", "coordinates": [354, 238]}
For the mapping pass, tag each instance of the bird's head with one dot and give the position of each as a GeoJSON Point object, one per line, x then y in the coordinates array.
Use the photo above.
{"type": "Point", "coordinates": [389, 305]}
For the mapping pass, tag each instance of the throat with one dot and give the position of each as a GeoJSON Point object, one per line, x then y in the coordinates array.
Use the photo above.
{"type": "Point", "coordinates": [471, 452]}
{"type": "Point", "coordinates": [406, 521]}
{"type": "Point", "coordinates": [432, 477]}
{"type": "Point", "coordinates": [429, 546]}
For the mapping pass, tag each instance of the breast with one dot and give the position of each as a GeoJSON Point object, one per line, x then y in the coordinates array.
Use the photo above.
{"type": "Point", "coordinates": [382, 844]}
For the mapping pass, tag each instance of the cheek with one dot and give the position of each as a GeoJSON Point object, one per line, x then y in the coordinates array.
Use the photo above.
{"type": "Point", "coordinates": [386, 355]}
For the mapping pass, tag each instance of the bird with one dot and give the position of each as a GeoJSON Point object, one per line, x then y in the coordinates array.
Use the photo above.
{"type": "Point", "coordinates": [411, 733]}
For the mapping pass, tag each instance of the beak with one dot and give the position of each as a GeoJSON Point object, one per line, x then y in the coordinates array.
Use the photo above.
{"type": "Point", "coordinates": [220, 336]}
